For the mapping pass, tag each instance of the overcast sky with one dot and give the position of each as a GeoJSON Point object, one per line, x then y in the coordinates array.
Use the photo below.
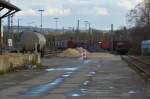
{"type": "Point", "coordinates": [100, 13]}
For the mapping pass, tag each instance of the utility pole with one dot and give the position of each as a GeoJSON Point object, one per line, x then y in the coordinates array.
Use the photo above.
{"type": "Point", "coordinates": [8, 22]}
{"type": "Point", "coordinates": [9, 28]}
{"type": "Point", "coordinates": [12, 24]}
{"type": "Point", "coordinates": [78, 26]}
{"type": "Point", "coordinates": [56, 23]}
{"type": "Point", "coordinates": [112, 30]}
{"type": "Point", "coordinates": [86, 23]}
{"type": "Point", "coordinates": [19, 25]}
{"type": "Point", "coordinates": [89, 28]}
{"type": "Point", "coordinates": [1, 36]}
{"type": "Point", "coordinates": [41, 11]}
{"type": "Point", "coordinates": [63, 29]}
{"type": "Point", "coordinates": [73, 29]}
{"type": "Point", "coordinates": [10, 39]}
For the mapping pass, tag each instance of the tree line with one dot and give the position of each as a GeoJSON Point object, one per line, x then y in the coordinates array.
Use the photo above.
{"type": "Point", "coordinates": [138, 20]}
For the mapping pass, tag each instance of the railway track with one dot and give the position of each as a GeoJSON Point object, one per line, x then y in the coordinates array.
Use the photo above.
{"type": "Point", "coordinates": [51, 53]}
{"type": "Point", "coordinates": [142, 67]}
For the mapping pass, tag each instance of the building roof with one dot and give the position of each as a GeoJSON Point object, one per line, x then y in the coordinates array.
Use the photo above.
{"type": "Point", "coordinates": [7, 5]}
{"type": "Point", "coordinates": [11, 8]}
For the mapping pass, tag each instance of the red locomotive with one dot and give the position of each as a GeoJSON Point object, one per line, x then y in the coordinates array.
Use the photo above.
{"type": "Point", "coordinates": [71, 43]}
{"type": "Point", "coordinates": [105, 43]}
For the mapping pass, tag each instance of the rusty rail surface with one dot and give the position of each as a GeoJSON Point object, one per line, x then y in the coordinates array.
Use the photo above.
{"type": "Point", "coordinates": [51, 53]}
{"type": "Point", "coordinates": [142, 67]}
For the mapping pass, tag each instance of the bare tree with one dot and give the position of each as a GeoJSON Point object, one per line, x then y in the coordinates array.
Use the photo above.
{"type": "Point", "coordinates": [139, 22]}
{"type": "Point", "coordinates": [140, 15]}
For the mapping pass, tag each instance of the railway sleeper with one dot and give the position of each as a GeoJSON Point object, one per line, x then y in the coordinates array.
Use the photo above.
{"type": "Point", "coordinates": [140, 71]}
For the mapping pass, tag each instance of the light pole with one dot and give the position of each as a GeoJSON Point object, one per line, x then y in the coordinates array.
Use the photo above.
{"type": "Point", "coordinates": [86, 23]}
{"type": "Point", "coordinates": [56, 23]}
{"type": "Point", "coordinates": [41, 11]}
{"type": "Point", "coordinates": [19, 25]}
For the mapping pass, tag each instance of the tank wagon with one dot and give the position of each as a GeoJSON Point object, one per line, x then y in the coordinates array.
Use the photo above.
{"type": "Point", "coordinates": [64, 44]}
{"type": "Point", "coordinates": [145, 47]}
{"type": "Point", "coordinates": [121, 47]}
{"type": "Point", "coordinates": [31, 41]}
{"type": "Point", "coordinates": [61, 45]}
